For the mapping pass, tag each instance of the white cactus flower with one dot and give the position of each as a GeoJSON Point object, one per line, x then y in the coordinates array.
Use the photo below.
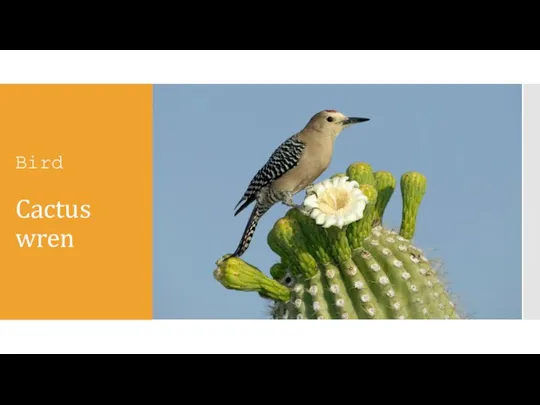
{"type": "Point", "coordinates": [335, 202]}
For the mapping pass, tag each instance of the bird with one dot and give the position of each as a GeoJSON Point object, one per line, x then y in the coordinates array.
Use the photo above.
{"type": "Point", "coordinates": [293, 166]}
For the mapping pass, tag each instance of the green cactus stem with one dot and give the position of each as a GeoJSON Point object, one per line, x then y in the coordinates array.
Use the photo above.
{"type": "Point", "coordinates": [362, 270]}
{"type": "Point", "coordinates": [359, 230]}
{"type": "Point", "coordinates": [236, 274]}
{"type": "Point", "coordinates": [362, 173]}
{"type": "Point", "coordinates": [386, 183]}
{"type": "Point", "coordinates": [413, 188]}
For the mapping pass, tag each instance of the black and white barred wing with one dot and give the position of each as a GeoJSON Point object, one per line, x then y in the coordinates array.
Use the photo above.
{"type": "Point", "coordinates": [283, 159]}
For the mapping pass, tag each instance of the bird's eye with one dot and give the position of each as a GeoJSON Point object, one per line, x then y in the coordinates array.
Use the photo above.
{"type": "Point", "coordinates": [330, 119]}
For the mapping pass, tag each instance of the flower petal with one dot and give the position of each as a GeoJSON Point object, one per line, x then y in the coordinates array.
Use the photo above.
{"type": "Point", "coordinates": [360, 200]}
{"type": "Point", "coordinates": [327, 183]}
{"type": "Point", "coordinates": [330, 220]}
{"type": "Point", "coordinates": [350, 218]}
{"type": "Point", "coordinates": [358, 208]}
{"type": "Point", "coordinates": [319, 220]}
{"type": "Point", "coordinates": [311, 202]}
{"type": "Point", "coordinates": [318, 189]}
{"type": "Point", "coordinates": [343, 181]}
{"type": "Point", "coordinates": [361, 205]}
{"type": "Point", "coordinates": [330, 190]}
{"type": "Point", "coordinates": [315, 213]}
{"type": "Point", "coordinates": [349, 186]}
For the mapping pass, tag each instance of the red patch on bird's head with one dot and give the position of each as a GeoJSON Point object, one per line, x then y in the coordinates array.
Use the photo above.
{"type": "Point", "coordinates": [330, 110]}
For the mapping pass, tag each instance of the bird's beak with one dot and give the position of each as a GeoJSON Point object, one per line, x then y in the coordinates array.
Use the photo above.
{"type": "Point", "coordinates": [353, 120]}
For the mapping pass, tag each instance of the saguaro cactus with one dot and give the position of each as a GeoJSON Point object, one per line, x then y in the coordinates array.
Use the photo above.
{"type": "Point", "coordinates": [339, 261]}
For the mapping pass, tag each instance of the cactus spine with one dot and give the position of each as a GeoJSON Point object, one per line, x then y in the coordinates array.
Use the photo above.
{"type": "Point", "coordinates": [362, 271]}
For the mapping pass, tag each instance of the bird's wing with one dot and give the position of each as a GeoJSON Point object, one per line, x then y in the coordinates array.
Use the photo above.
{"type": "Point", "coordinates": [284, 158]}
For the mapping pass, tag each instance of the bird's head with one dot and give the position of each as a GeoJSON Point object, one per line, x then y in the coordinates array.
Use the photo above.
{"type": "Point", "coordinates": [332, 122]}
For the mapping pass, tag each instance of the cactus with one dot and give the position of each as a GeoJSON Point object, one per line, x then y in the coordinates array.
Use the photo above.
{"type": "Point", "coordinates": [360, 270]}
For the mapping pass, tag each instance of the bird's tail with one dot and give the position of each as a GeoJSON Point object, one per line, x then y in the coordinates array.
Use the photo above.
{"type": "Point", "coordinates": [258, 211]}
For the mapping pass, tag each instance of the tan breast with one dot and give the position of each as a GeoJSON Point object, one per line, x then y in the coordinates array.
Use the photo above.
{"type": "Point", "coordinates": [315, 160]}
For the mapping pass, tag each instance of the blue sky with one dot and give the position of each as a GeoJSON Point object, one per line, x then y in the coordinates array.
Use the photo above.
{"type": "Point", "coordinates": [209, 141]}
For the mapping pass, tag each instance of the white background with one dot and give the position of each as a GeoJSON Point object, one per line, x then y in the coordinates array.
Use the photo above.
{"type": "Point", "coordinates": [233, 336]}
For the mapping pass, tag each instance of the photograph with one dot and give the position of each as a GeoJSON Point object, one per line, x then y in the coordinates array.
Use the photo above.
{"type": "Point", "coordinates": [337, 201]}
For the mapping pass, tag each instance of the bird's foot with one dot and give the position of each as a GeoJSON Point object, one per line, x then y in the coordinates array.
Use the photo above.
{"type": "Point", "coordinates": [288, 201]}
{"type": "Point", "coordinates": [309, 189]}
{"type": "Point", "coordinates": [286, 198]}
{"type": "Point", "coordinates": [303, 210]}
{"type": "Point", "coordinates": [293, 205]}
{"type": "Point", "coordinates": [299, 207]}
{"type": "Point", "coordinates": [223, 258]}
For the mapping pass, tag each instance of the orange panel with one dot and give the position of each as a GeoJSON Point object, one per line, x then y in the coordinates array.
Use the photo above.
{"type": "Point", "coordinates": [99, 267]}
